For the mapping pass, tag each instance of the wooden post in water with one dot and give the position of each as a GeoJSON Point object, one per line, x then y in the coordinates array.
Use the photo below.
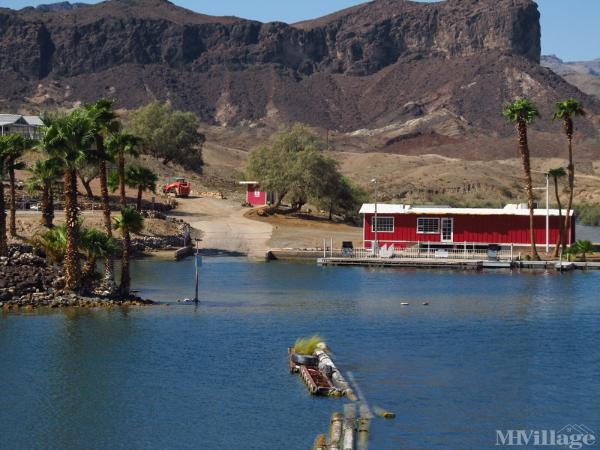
{"type": "Point", "coordinates": [197, 263]}
{"type": "Point", "coordinates": [335, 435]}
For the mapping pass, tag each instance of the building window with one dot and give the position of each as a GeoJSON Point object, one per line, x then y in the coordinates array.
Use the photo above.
{"type": "Point", "coordinates": [384, 224]}
{"type": "Point", "coordinates": [426, 225]}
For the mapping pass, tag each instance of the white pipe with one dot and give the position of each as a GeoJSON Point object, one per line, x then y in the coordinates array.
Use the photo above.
{"type": "Point", "coordinates": [547, 213]}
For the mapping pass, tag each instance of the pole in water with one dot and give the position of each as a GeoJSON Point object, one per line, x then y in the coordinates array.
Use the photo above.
{"type": "Point", "coordinates": [197, 263]}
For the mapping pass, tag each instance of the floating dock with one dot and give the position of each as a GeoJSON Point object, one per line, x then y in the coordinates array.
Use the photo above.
{"type": "Point", "coordinates": [459, 264]}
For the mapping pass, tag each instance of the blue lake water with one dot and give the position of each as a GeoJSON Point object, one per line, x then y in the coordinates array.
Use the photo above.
{"type": "Point", "coordinates": [493, 350]}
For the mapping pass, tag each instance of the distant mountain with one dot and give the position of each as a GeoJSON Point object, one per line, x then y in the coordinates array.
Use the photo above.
{"type": "Point", "coordinates": [416, 76]}
{"type": "Point", "coordinates": [583, 74]}
{"type": "Point", "coordinates": [60, 6]}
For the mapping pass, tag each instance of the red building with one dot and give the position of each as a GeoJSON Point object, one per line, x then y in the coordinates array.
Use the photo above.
{"type": "Point", "coordinates": [254, 195]}
{"type": "Point", "coordinates": [404, 225]}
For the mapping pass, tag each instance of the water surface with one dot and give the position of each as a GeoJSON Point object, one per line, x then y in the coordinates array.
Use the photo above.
{"type": "Point", "coordinates": [493, 350]}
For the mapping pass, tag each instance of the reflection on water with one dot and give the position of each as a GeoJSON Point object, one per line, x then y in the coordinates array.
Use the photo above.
{"type": "Point", "coordinates": [493, 350]}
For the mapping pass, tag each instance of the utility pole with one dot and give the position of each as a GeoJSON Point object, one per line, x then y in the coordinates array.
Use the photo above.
{"type": "Point", "coordinates": [375, 224]}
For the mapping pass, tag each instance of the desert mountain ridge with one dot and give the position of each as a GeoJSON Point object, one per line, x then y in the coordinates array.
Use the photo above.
{"type": "Point", "coordinates": [394, 76]}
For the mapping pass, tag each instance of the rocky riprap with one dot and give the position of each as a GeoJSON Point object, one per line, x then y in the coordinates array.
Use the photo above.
{"type": "Point", "coordinates": [29, 281]}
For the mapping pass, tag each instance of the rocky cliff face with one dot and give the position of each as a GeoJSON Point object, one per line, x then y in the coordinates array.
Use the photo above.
{"type": "Point", "coordinates": [380, 63]}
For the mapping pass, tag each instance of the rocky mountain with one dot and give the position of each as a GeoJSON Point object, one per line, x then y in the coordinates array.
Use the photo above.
{"type": "Point", "coordinates": [60, 6]}
{"type": "Point", "coordinates": [402, 76]}
{"type": "Point", "coordinates": [583, 74]}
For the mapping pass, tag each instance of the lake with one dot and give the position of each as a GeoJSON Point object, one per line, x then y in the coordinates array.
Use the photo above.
{"type": "Point", "coordinates": [493, 350]}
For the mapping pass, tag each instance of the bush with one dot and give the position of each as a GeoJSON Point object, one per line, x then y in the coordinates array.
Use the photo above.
{"type": "Point", "coordinates": [588, 214]}
{"type": "Point", "coordinates": [307, 346]}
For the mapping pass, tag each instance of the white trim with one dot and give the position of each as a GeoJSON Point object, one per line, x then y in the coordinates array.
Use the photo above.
{"type": "Point", "coordinates": [439, 220]}
{"type": "Point", "coordinates": [456, 243]}
{"type": "Point", "coordinates": [383, 217]}
{"type": "Point", "coordinates": [509, 210]}
{"type": "Point", "coordinates": [244, 183]}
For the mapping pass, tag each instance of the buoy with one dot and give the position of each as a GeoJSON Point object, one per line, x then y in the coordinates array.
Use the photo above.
{"type": "Point", "coordinates": [383, 413]}
{"type": "Point", "coordinates": [405, 304]}
{"type": "Point", "coordinates": [425, 303]}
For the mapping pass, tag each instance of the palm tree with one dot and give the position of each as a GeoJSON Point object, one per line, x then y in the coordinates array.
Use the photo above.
{"type": "Point", "coordinates": [3, 238]}
{"type": "Point", "coordinates": [53, 242]}
{"type": "Point", "coordinates": [142, 179]}
{"type": "Point", "coordinates": [69, 139]}
{"type": "Point", "coordinates": [566, 110]}
{"type": "Point", "coordinates": [584, 247]}
{"type": "Point", "coordinates": [557, 173]}
{"type": "Point", "coordinates": [522, 113]}
{"type": "Point", "coordinates": [95, 244]}
{"type": "Point", "coordinates": [106, 120]}
{"type": "Point", "coordinates": [44, 174]}
{"type": "Point", "coordinates": [17, 145]}
{"type": "Point", "coordinates": [119, 145]}
{"type": "Point", "coordinates": [130, 221]}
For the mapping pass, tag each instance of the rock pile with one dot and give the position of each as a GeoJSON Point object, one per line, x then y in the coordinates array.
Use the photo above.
{"type": "Point", "coordinates": [28, 281]}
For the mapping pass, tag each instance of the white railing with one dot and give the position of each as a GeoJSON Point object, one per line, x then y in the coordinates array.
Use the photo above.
{"type": "Point", "coordinates": [420, 253]}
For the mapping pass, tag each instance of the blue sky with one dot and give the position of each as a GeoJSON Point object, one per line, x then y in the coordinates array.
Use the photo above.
{"type": "Point", "coordinates": [580, 16]}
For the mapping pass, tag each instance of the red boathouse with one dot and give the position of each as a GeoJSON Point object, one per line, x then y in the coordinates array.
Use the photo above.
{"type": "Point", "coordinates": [254, 195]}
{"type": "Point", "coordinates": [405, 225]}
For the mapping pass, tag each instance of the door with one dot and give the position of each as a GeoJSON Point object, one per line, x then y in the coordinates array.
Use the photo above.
{"type": "Point", "coordinates": [447, 229]}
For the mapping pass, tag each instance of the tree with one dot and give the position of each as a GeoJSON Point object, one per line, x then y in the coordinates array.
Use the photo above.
{"type": "Point", "coordinates": [16, 146]}
{"type": "Point", "coordinates": [69, 139]}
{"type": "Point", "coordinates": [142, 179]}
{"type": "Point", "coordinates": [583, 247]}
{"type": "Point", "coordinates": [566, 110]}
{"type": "Point", "coordinates": [168, 134]}
{"type": "Point", "coordinates": [88, 172]}
{"type": "Point", "coordinates": [44, 174]}
{"type": "Point", "coordinates": [522, 113]}
{"type": "Point", "coordinates": [119, 145]}
{"type": "Point", "coordinates": [106, 121]}
{"type": "Point", "coordinates": [557, 173]}
{"type": "Point", "coordinates": [3, 237]}
{"type": "Point", "coordinates": [285, 165]}
{"type": "Point", "coordinates": [130, 221]}
{"type": "Point", "coordinates": [95, 244]}
{"type": "Point", "coordinates": [53, 242]}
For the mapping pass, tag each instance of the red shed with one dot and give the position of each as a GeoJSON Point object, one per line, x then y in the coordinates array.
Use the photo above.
{"type": "Point", "coordinates": [403, 225]}
{"type": "Point", "coordinates": [254, 195]}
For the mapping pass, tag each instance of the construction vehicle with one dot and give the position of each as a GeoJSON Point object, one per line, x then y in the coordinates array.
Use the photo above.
{"type": "Point", "coordinates": [178, 187]}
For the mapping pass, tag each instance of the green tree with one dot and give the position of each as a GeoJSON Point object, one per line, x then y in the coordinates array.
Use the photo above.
{"type": "Point", "coordinates": [583, 248]}
{"type": "Point", "coordinates": [16, 147]}
{"type": "Point", "coordinates": [565, 111]}
{"type": "Point", "coordinates": [130, 221]}
{"type": "Point", "coordinates": [68, 140]}
{"type": "Point", "coordinates": [168, 134]}
{"type": "Point", "coordinates": [119, 145]}
{"type": "Point", "coordinates": [44, 174]}
{"type": "Point", "coordinates": [95, 244]}
{"type": "Point", "coordinates": [106, 121]}
{"type": "Point", "coordinates": [522, 113]}
{"type": "Point", "coordinates": [557, 173]}
{"type": "Point", "coordinates": [287, 163]}
{"type": "Point", "coordinates": [142, 179]}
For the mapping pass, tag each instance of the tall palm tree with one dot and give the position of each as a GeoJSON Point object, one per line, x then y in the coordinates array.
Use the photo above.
{"type": "Point", "coordinates": [142, 179]}
{"type": "Point", "coordinates": [119, 145]}
{"type": "Point", "coordinates": [17, 146]}
{"type": "Point", "coordinates": [3, 237]}
{"type": "Point", "coordinates": [557, 173]}
{"type": "Point", "coordinates": [107, 123]}
{"type": "Point", "coordinates": [69, 139]}
{"type": "Point", "coordinates": [130, 221]}
{"type": "Point", "coordinates": [566, 110]}
{"type": "Point", "coordinates": [44, 174]}
{"type": "Point", "coordinates": [522, 113]}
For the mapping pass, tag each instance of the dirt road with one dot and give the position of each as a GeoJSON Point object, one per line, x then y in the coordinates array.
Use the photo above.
{"type": "Point", "coordinates": [224, 227]}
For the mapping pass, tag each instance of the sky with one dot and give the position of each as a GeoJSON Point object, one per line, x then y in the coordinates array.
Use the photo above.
{"type": "Point", "coordinates": [581, 42]}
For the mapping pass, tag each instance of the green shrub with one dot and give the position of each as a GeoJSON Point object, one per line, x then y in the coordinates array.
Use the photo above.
{"type": "Point", "coordinates": [307, 346]}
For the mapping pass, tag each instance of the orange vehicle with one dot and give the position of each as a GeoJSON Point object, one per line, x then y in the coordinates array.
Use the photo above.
{"type": "Point", "coordinates": [179, 187]}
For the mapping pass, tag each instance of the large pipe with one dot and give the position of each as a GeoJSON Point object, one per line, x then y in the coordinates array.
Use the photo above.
{"type": "Point", "coordinates": [325, 362]}
{"type": "Point", "coordinates": [335, 436]}
{"type": "Point", "coordinates": [349, 426]}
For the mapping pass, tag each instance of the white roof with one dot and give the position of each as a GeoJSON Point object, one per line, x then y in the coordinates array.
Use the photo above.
{"type": "Point", "coordinates": [508, 210]}
{"type": "Point", "coordinates": [248, 182]}
{"type": "Point", "coordinates": [9, 119]}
